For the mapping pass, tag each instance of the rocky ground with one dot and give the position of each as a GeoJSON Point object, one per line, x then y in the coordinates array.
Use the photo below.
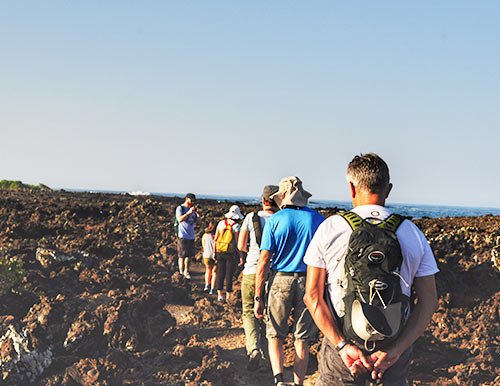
{"type": "Point", "coordinates": [101, 303]}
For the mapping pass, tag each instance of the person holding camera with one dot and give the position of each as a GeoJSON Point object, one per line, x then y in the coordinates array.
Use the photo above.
{"type": "Point", "coordinates": [186, 216]}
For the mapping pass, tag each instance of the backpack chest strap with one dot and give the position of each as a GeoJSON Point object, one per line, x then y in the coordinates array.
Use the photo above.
{"type": "Point", "coordinates": [355, 221]}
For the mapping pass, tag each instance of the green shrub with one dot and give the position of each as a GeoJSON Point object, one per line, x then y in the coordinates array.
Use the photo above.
{"type": "Point", "coordinates": [19, 185]}
{"type": "Point", "coordinates": [11, 274]}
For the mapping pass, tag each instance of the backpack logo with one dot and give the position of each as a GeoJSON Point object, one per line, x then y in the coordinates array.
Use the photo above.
{"type": "Point", "coordinates": [375, 307]}
{"type": "Point", "coordinates": [376, 257]}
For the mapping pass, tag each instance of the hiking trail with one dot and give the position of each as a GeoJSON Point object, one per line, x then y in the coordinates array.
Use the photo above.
{"type": "Point", "coordinates": [231, 340]}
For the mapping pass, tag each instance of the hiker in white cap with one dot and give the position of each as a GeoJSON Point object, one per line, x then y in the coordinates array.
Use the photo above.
{"type": "Point", "coordinates": [284, 242]}
{"type": "Point", "coordinates": [226, 253]}
{"type": "Point", "coordinates": [368, 327]}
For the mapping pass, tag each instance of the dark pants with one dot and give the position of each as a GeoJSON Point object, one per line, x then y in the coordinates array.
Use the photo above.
{"type": "Point", "coordinates": [334, 372]}
{"type": "Point", "coordinates": [226, 264]}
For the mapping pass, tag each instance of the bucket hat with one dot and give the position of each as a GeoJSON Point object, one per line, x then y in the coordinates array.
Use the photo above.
{"type": "Point", "coordinates": [234, 213]}
{"type": "Point", "coordinates": [291, 192]}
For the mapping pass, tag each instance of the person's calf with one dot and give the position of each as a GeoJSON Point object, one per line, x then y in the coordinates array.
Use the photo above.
{"type": "Point", "coordinates": [276, 355]}
{"type": "Point", "coordinates": [301, 361]}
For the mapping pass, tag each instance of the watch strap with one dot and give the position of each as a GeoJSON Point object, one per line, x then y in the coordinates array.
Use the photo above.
{"type": "Point", "coordinates": [341, 344]}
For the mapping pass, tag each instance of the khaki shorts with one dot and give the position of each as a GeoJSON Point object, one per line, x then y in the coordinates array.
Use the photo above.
{"type": "Point", "coordinates": [286, 293]}
{"type": "Point", "coordinates": [208, 262]}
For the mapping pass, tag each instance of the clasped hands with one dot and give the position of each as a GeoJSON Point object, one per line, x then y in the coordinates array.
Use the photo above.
{"type": "Point", "coordinates": [375, 364]}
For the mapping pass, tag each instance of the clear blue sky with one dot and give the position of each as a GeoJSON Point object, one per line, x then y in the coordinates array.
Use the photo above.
{"type": "Point", "coordinates": [222, 97]}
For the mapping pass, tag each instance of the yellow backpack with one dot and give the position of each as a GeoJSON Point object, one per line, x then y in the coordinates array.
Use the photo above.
{"type": "Point", "coordinates": [225, 242]}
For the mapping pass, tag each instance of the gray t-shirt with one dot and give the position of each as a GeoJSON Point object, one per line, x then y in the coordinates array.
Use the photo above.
{"type": "Point", "coordinates": [253, 248]}
{"type": "Point", "coordinates": [186, 227]}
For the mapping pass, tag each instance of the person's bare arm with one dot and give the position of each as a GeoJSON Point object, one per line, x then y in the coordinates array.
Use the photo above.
{"type": "Point", "coordinates": [260, 278]}
{"type": "Point", "coordinates": [243, 240]}
{"type": "Point", "coordinates": [420, 318]}
{"type": "Point", "coordinates": [317, 306]}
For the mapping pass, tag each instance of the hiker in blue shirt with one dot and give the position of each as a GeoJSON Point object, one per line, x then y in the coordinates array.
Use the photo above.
{"type": "Point", "coordinates": [186, 217]}
{"type": "Point", "coordinates": [285, 239]}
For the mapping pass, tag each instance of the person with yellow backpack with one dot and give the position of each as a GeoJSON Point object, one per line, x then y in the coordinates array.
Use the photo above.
{"type": "Point", "coordinates": [226, 253]}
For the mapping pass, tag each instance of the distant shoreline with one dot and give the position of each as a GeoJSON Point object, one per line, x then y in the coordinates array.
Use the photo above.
{"type": "Point", "coordinates": [411, 210]}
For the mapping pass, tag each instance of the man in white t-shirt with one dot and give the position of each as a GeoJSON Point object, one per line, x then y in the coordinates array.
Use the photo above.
{"type": "Point", "coordinates": [343, 362]}
{"type": "Point", "coordinates": [249, 242]}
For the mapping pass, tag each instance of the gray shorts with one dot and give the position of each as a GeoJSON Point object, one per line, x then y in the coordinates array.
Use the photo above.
{"type": "Point", "coordinates": [286, 294]}
{"type": "Point", "coordinates": [185, 248]}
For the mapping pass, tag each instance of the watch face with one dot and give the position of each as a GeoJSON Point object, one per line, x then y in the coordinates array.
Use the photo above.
{"type": "Point", "coordinates": [257, 298]}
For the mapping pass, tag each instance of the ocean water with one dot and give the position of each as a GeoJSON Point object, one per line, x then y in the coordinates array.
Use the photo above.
{"type": "Point", "coordinates": [419, 211]}
{"type": "Point", "coordinates": [412, 210]}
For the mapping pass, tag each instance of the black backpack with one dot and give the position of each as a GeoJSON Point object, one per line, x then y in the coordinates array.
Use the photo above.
{"type": "Point", "coordinates": [375, 307]}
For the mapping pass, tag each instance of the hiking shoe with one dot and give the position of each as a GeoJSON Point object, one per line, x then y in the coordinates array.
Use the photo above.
{"type": "Point", "coordinates": [221, 299]}
{"type": "Point", "coordinates": [187, 275]}
{"type": "Point", "coordinates": [254, 360]}
{"type": "Point", "coordinates": [212, 292]}
{"type": "Point", "coordinates": [206, 289]}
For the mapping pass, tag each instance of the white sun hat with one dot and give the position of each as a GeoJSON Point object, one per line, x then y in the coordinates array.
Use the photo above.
{"type": "Point", "coordinates": [234, 213]}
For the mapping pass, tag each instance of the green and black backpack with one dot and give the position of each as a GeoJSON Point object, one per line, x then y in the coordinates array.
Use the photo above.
{"type": "Point", "coordinates": [176, 221]}
{"type": "Point", "coordinates": [375, 307]}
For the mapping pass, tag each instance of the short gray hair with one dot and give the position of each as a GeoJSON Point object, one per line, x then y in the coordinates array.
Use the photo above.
{"type": "Point", "coordinates": [368, 172]}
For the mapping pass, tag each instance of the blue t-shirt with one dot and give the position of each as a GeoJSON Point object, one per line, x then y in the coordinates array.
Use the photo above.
{"type": "Point", "coordinates": [287, 235]}
{"type": "Point", "coordinates": [186, 227]}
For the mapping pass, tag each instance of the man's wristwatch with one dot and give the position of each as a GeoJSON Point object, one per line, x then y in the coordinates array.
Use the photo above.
{"type": "Point", "coordinates": [257, 298]}
{"type": "Point", "coordinates": [341, 344]}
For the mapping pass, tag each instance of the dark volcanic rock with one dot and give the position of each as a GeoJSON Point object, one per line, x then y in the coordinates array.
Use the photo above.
{"type": "Point", "coordinates": [101, 270]}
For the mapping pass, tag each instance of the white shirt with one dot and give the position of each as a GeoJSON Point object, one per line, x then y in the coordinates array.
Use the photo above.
{"type": "Point", "coordinates": [328, 246]}
{"type": "Point", "coordinates": [253, 248]}
{"type": "Point", "coordinates": [208, 244]}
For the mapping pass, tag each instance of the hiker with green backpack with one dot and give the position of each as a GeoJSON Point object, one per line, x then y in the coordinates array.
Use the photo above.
{"type": "Point", "coordinates": [184, 224]}
{"type": "Point", "coordinates": [362, 265]}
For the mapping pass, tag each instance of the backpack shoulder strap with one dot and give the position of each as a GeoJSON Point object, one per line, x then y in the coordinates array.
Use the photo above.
{"type": "Point", "coordinates": [257, 227]}
{"type": "Point", "coordinates": [392, 222]}
{"type": "Point", "coordinates": [353, 219]}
